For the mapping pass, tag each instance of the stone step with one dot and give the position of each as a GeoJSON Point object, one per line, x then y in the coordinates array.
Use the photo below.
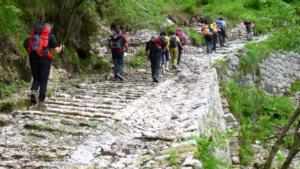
{"type": "Point", "coordinates": [65, 108]}
{"type": "Point", "coordinates": [65, 115]}
{"type": "Point", "coordinates": [106, 101]}
{"type": "Point", "coordinates": [83, 104]}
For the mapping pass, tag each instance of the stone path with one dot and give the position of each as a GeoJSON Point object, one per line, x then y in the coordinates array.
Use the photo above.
{"type": "Point", "coordinates": [109, 124]}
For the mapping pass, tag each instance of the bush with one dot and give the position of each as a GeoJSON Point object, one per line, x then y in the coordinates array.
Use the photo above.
{"type": "Point", "coordinates": [255, 4]}
{"type": "Point", "coordinates": [295, 86]}
{"type": "Point", "coordinates": [137, 63]}
{"type": "Point", "coordinates": [206, 150]}
{"type": "Point", "coordinates": [258, 114]}
{"type": "Point", "coordinates": [9, 17]}
{"type": "Point", "coordinates": [195, 37]}
{"type": "Point", "coordinates": [103, 65]}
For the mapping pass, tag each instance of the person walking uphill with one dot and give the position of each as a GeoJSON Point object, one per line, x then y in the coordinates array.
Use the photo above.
{"type": "Point", "coordinates": [221, 25]}
{"type": "Point", "coordinates": [118, 44]}
{"type": "Point", "coordinates": [174, 45]}
{"type": "Point", "coordinates": [249, 28]}
{"type": "Point", "coordinates": [183, 38]}
{"type": "Point", "coordinates": [165, 57]}
{"type": "Point", "coordinates": [39, 46]}
{"type": "Point", "coordinates": [154, 47]}
{"type": "Point", "coordinates": [214, 29]}
{"type": "Point", "coordinates": [208, 36]}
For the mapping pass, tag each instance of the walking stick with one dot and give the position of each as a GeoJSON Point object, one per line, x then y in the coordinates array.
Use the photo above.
{"type": "Point", "coordinates": [61, 55]}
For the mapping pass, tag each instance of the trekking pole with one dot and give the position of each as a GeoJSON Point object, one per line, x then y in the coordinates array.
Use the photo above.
{"type": "Point", "coordinates": [59, 65]}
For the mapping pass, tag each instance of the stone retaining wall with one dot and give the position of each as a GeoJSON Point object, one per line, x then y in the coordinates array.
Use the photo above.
{"type": "Point", "coordinates": [279, 71]}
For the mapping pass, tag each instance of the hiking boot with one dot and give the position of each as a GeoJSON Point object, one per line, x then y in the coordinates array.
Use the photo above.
{"type": "Point", "coordinates": [42, 106]}
{"type": "Point", "coordinates": [155, 80]}
{"type": "Point", "coordinates": [122, 78]}
{"type": "Point", "coordinates": [33, 98]}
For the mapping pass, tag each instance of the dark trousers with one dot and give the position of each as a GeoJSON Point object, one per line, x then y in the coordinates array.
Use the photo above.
{"type": "Point", "coordinates": [222, 36]}
{"type": "Point", "coordinates": [179, 54]}
{"type": "Point", "coordinates": [40, 70]}
{"type": "Point", "coordinates": [165, 56]}
{"type": "Point", "coordinates": [209, 43]}
{"type": "Point", "coordinates": [155, 64]}
{"type": "Point", "coordinates": [118, 60]}
{"type": "Point", "coordinates": [215, 40]}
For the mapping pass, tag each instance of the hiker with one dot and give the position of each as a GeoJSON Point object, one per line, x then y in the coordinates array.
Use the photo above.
{"type": "Point", "coordinates": [154, 47]}
{"type": "Point", "coordinates": [39, 46]}
{"type": "Point", "coordinates": [165, 55]}
{"type": "Point", "coordinates": [213, 28]}
{"type": "Point", "coordinates": [249, 28]}
{"type": "Point", "coordinates": [173, 47]}
{"type": "Point", "coordinates": [183, 38]}
{"type": "Point", "coordinates": [118, 44]}
{"type": "Point", "coordinates": [221, 26]}
{"type": "Point", "coordinates": [208, 36]}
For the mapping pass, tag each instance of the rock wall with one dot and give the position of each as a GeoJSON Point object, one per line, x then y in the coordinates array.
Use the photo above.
{"type": "Point", "coordinates": [279, 71]}
{"type": "Point", "coordinates": [276, 73]}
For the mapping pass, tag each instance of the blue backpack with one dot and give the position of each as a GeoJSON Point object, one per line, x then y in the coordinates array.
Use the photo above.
{"type": "Point", "coordinates": [221, 24]}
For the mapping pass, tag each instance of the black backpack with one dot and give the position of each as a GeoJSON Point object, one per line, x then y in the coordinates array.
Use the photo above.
{"type": "Point", "coordinates": [116, 42]}
{"type": "Point", "coordinates": [154, 48]}
{"type": "Point", "coordinates": [164, 40]}
{"type": "Point", "coordinates": [173, 42]}
{"type": "Point", "coordinates": [35, 39]}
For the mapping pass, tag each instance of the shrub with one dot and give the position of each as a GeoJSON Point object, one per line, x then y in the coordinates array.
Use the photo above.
{"type": "Point", "coordinates": [137, 63]}
{"type": "Point", "coordinates": [295, 86]}
{"type": "Point", "coordinates": [103, 65]}
{"type": "Point", "coordinates": [258, 114]}
{"type": "Point", "coordinates": [255, 4]}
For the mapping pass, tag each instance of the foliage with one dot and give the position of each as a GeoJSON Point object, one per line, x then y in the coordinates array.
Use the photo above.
{"type": "Point", "coordinates": [206, 150]}
{"type": "Point", "coordinates": [271, 14]}
{"type": "Point", "coordinates": [196, 37]}
{"type": "Point", "coordinates": [173, 158]}
{"type": "Point", "coordinates": [139, 59]}
{"type": "Point", "coordinates": [9, 17]}
{"type": "Point", "coordinates": [295, 86]}
{"type": "Point", "coordinates": [255, 4]}
{"type": "Point", "coordinates": [258, 113]}
{"type": "Point", "coordinates": [220, 64]}
{"type": "Point", "coordinates": [280, 40]}
{"type": "Point", "coordinates": [103, 65]}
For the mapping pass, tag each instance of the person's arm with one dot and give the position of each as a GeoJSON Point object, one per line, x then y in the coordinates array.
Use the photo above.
{"type": "Point", "coordinates": [60, 48]}
{"type": "Point", "coordinates": [178, 41]}
{"type": "Point", "coordinates": [53, 44]}
{"type": "Point", "coordinates": [126, 43]}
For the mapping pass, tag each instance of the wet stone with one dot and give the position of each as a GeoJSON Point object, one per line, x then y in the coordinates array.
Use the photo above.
{"type": "Point", "coordinates": [4, 120]}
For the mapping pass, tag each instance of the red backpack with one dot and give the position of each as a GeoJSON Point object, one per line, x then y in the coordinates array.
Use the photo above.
{"type": "Point", "coordinates": [38, 42]}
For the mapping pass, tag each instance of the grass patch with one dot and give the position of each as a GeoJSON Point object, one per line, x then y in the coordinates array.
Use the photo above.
{"type": "Point", "coordinates": [139, 59]}
{"type": "Point", "coordinates": [220, 64]}
{"type": "Point", "coordinates": [103, 65]}
{"type": "Point", "coordinates": [206, 151]}
{"type": "Point", "coordinates": [196, 37]}
{"type": "Point", "coordinates": [295, 86]}
{"type": "Point", "coordinates": [173, 158]}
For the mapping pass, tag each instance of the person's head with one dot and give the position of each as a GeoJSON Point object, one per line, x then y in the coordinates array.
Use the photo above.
{"type": "Point", "coordinates": [172, 33]}
{"type": "Point", "coordinates": [48, 26]}
{"type": "Point", "coordinates": [153, 37]}
{"type": "Point", "coordinates": [117, 31]}
{"type": "Point", "coordinates": [163, 33]}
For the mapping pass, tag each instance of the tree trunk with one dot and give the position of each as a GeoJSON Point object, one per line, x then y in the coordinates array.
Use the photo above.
{"type": "Point", "coordinates": [279, 140]}
{"type": "Point", "coordinates": [294, 149]}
